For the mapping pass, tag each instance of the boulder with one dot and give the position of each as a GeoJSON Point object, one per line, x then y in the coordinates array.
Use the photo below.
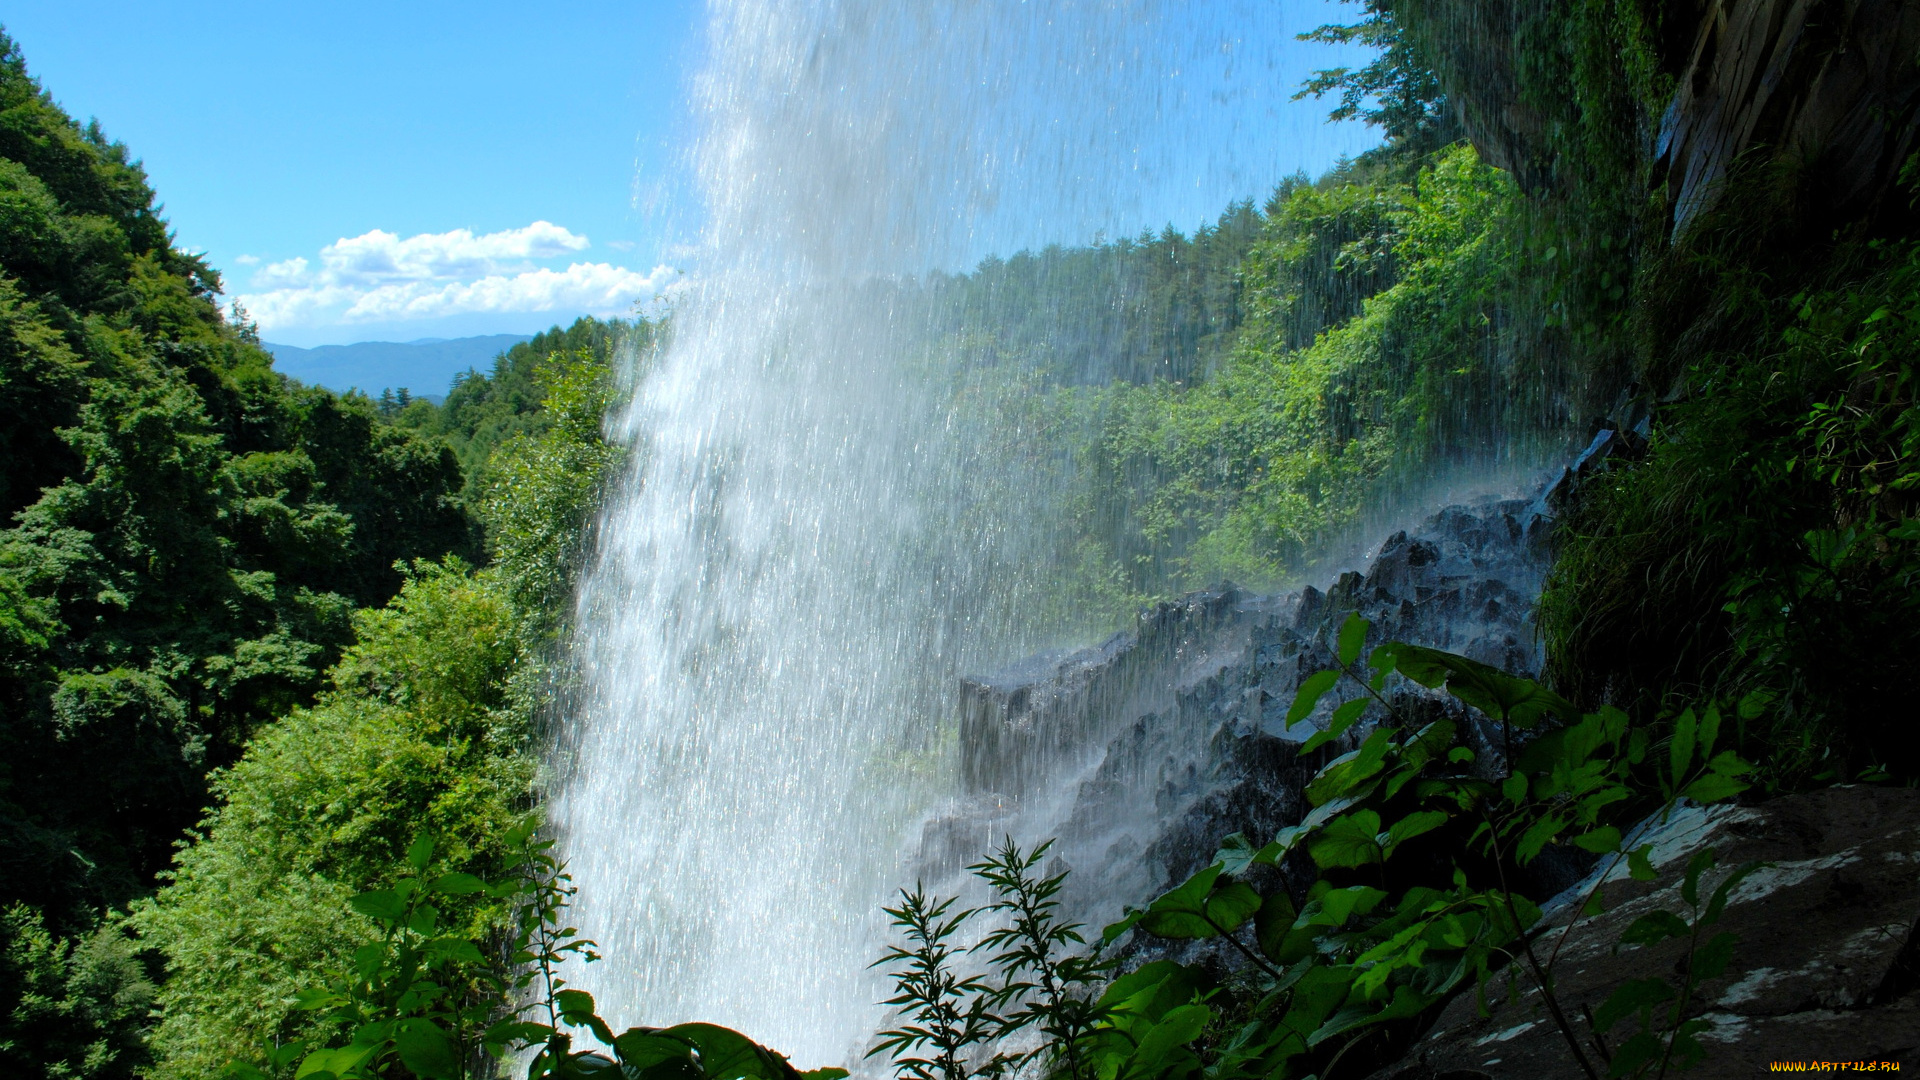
{"type": "Point", "coordinates": [1826, 969]}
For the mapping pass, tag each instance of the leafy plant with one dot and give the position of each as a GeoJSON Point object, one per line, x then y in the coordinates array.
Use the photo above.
{"type": "Point", "coordinates": [941, 1010]}
{"type": "Point", "coordinates": [1358, 957]}
{"type": "Point", "coordinates": [423, 1003]}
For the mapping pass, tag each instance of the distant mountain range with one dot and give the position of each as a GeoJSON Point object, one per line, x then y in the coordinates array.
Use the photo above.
{"type": "Point", "coordinates": [426, 367]}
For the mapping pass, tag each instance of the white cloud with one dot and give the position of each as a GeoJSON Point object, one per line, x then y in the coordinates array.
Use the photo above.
{"type": "Point", "coordinates": [247, 260]}
{"type": "Point", "coordinates": [381, 277]}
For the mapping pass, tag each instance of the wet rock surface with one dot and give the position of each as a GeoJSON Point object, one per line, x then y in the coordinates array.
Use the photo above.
{"type": "Point", "coordinates": [1142, 753]}
{"type": "Point", "coordinates": [1827, 967]}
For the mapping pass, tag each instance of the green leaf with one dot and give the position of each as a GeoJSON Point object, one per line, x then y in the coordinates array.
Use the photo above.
{"type": "Point", "coordinates": [1640, 865]}
{"type": "Point", "coordinates": [1631, 997]}
{"type": "Point", "coordinates": [1273, 921]}
{"type": "Point", "coordinates": [1653, 928]}
{"type": "Point", "coordinates": [1681, 748]}
{"type": "Point", "coordinates": [726, 1054]}
{"type": "Point", "coordinates": [1348, 841]}
{"type": "Point", "coordinates": [1312, 689]}
{"type": "Point", "coordinates": [1112, 931]}
{"type": "Point", "coordinates": [1345, 774]}
{"type": "Point", "coordinates": [383, 906]}
{"type": "Point", "coordinates": [1178, 1028]}
{"type": "Point", "coordinates": [336, 1061]}
{"type": "Point", "coordinates": [1415, 824]}
{"type": "Point", "coordinates": [1701, 862]}
{"type": "Point", "coordinates": [572, 1003]}
{"type": "Point", "coordinates": [1206, 905]}
{"type": "Point", "coordinates": [1344, 717]}
{"type": "Point", "coordinates": [1237, 853]}
{"type": "Point", "coordinates": [1755, 704]}
{"type": "Point", "coordinates": [1600, 841]}
{"type": "Point", "coordinates": [425, 1049]}
{"type": "Point", "coordinates": [421, 853]}
{"type": "Point", "coordinates": [524, 1032]}
{"type": "Point", "coordinates": [1718, 903]}
{"type": "Point", "coordinates": [458, 885]}
{"type": "Point", "coordinates": [1514, 788]}
{"type": "Point", "coordinates": [1713, 787]}
{"type": "Point", "coordinates": [1353, 638]}
{"type": "Point", "coordinates": [1728, 763]}
{"type": "Point", "coordinates": [1709, 731]}
{"type": "Point", "coordinates": [1521, 702]}
{"type": "Point", "coordinates": [1538, 836]}
{"type": "Point", "coordinates": [1634, 1054]}
{"type": "Point", "coordinates": [454, 948]}
{"type": "Point", "coordinates": [645, 1048]}
{"type": "Point", "coordinates": [1710, 960]}
{"type": "Point", "coordinates": [1336, 906]}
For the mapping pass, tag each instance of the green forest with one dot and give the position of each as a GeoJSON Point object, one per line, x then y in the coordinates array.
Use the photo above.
{"type": "Point", "coordinates": [281, 662]}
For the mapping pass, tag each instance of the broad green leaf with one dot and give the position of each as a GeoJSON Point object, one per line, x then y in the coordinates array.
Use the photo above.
{"type": "Point", "coordinates": [336, 1061]}
{"type": "Point", "coordinates": [1653, 928]}
{"type": "Point", "coordinates": [458, 885]}
{"type": "Point", "coordinates": [1537, 837]}
{"type": "Point", "coordinates": [453, 948]}
{"type": "Point", "coordinates": [1237, 853]}
{"type": "Point", "coordinates": [1343, 718]}
{"type": "Point", "coordinates": [1600, 841]}
{"type": "Point", "coordinates": [1207, 905]}
{"type": "Point", "coordinates": [1424, 821]}
{"type": "Point", "coordinates": [1353, 638]}
{"type": "Point", "coordinates": [1631, 997]}
{"type": "Point", "coordinates": [1272, 922]}
{"type": "Point", "coordinates": [1755, 704]}
{"type": "Point", "coordinates": [424, 1048]}
{"type": "Point", "coordinates": [1521, 702]}
{"type": "Point", "coordinates": [1343, 775]}
{"type": "Point", "coordinates": [1112, 931]}
{"type": "Point", "coordinates": [1709, 731]}
{"type": "Point", "coordinates": [1633, 1054]}
{"type": "Point", "coordinates": [1713, 787]}
{"type": "Point", "coordinates": [1639, 865]}
{"type": "Point", "coordinates": [1312, 689]}
{"type": "Point", "coordinates": [1180, 1027]}
{"type": "Point", "coordinates": [423, 919]}
{"type": "Point", "coordinates": [1142, 980]}
{"type": "Point", "coordinates": [1680, 749]}
{"type": "Point", "coordinates": [573, 1003]}
{"type": "Point", "coordinates": [1514, 788]}
{"type": "Point", "coordinates": [1701, 862]}
{"type": "Point", "coordinates": [726, 1054]}
{"type": "Point", "coordinates": [1318, 993]}
{"type": "Point", "coordinates": [1348, 841]}
{"type": "Point", "coordinates": [1336, 906]}
{"type": "Point", "coordinates": [525, 1032]}
{"type": "Point", "coordinates": [1718, 903]}
{"type": "Point", "coordinates": [1710, 960]}
{"type": "Point", "coordinates": [383, 906]}
{"type": "Point", "coordinates": [421, 853]}
{"type": "Point", "coordinates": [1729, 763]}
{"type": "Point", "coordinates": [312, 998]}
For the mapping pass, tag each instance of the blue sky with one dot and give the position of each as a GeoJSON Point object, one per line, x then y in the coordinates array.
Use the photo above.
{"type": "Point", "coordinates": [427, 168]}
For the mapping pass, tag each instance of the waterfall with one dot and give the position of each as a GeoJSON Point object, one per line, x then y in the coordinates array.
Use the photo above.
{"type": "Point", "coordinates": [805, 556]}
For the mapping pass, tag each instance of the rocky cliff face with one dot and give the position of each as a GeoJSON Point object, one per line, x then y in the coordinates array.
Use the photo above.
{"type": "Point", "coordinates": [1142, 753]}
{"type": "Point", "coordinates": [1821, 94]}
{"type": "Point", "coordinates": [1826, 969]}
